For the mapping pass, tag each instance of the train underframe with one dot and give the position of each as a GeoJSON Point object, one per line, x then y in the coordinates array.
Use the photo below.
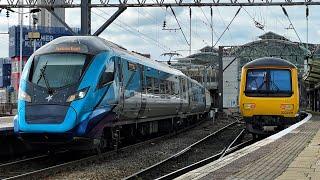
{"type": "Point", "coordinates": [117, 135]}
{"type": "Point", "coordinates": [114, 135]}
{"type": "Point", "coordinates": [266, 125]}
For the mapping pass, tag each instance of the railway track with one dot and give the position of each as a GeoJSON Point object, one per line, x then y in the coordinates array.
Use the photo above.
{"type": "Point", "coordinates": [44, 165]}
{"type": "Point", "coordinates": [198, 154]}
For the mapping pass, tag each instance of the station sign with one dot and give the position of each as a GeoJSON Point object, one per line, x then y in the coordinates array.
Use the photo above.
{"type": "Point", "coordinates": [39, 36]}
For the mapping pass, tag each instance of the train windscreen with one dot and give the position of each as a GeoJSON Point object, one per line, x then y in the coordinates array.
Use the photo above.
{"type": "Point", "coordinates": [268, 82]}
{"type": "Point", "coordinates": [57, 70]}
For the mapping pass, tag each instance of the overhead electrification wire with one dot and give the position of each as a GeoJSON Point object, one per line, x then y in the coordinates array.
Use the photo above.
{"type": "Point", "coordinates": [221, 18]}
{"type": "Point", "coordinates": [194, 30]}
{"type": "Point", "coordinates": [256, 23]}
{"type": "Point", "coordinates": [174, 14]}
{"type": "Point", "coordinates": [227, 27]}
{"type": "Point", "coordinates": [134, 31]}
{"type": "Point", "coordinates": [183, 24]}
{"type": "Point", "coordinates": [286, 14]}
{"type": "Point", "coordinates": [209, 21]}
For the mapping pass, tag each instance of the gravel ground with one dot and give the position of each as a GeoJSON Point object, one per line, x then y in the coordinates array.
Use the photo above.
{"type": "Point", "coordinates": [127, 163]}
{"type": "Point", "coordinates": [211, 146]}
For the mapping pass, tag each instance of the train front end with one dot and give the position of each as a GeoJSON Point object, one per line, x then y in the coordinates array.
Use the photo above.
{"type": "Point", "coordinates": [58, 93]}
{"type": "Point", "coordinates": [269, 95]}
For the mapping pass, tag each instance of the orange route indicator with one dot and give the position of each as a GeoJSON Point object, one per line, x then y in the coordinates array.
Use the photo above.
{"type": "Point", "coordinates": [34, 35]}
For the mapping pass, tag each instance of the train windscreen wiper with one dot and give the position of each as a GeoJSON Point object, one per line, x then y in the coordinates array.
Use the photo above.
{"type": "Point", "coordinates": [43, 75]}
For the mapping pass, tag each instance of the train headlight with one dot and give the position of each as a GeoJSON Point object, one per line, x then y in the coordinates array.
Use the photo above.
{"type": "Point", "coordinates": [78, 95]}
{"type": "Point", "coordinates": [286, 107]}
{"type": "Point", "coordinates": [24, 96]}
{"type": "Point", "coordinates": [249, 106]}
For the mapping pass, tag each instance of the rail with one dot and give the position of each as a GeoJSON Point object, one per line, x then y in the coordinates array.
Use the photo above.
{"type": "Point", "coordinates": [35, 173]}
{"type": "Point", "coordinates": [155, 167]}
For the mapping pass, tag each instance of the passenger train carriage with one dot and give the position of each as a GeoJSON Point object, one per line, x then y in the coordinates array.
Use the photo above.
{"type": "Point", "coordinates": [269, 95]}
{"type": "Point", "coordinates": [87, 89]}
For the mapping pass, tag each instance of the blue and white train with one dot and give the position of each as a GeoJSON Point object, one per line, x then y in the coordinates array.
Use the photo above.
{"type": "Point", "coordinates": [86, 89]}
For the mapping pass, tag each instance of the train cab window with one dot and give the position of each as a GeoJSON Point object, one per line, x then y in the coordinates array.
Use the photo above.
{"type": "Point", "coordinates": [268, 82]}
{"type": "Point", "coordinates": [108, 74]}
{"type": "Point", "coordinates": [57, 70]}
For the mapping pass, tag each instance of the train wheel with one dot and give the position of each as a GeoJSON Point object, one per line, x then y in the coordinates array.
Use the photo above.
{"type": "Point", "coordinates": [116, 139]}
{"type": "Point", "coordinates": [102, 145]}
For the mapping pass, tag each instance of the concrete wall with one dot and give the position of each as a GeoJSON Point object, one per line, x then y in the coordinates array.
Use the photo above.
{"type": "Point", "coordinates": [230, 83]}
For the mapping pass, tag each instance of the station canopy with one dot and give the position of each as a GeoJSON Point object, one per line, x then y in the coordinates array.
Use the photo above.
{"type": "Point", "coordinates": [271, 44]}
{"type": "Point", "coordinates": [312, 75]}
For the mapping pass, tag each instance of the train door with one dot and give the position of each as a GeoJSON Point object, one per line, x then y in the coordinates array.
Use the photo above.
{"type": "Point", "coordinates": [144, 95]}
{"type": "Point", "coordinates": [179, 92]}
{"type": "Point", "coordinates": [189, 94]}
{"type": "Point", "coordinates": [120, 80]}
{"type": "Point", "coordinates": [132, 87]}
{"type": "Point", "coordinates": [152, 91]}
{"type": "Point", "coordinates": [105, 90]}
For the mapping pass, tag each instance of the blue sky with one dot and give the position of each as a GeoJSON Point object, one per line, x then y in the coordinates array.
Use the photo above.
{"type": "Point", "coordinates": [140, 29]}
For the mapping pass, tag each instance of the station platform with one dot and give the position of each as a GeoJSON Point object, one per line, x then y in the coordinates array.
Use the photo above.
{"type": "Point", "coordinates": [293, 153]}
{"type": "Point", "coordinates": [6, 125]}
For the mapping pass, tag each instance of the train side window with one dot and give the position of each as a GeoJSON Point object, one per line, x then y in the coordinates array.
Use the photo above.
{"type": "Point", "coordinates": [132, 66]}
{"type": "Point", "coordinates": [149, 84]}
{"type": "Point", "coordinates": [107, 75]}
{"type": "Point", "coordinates": [177, 89]}
{"type": "Point", "coordinates": [156, 86]}
{"type": "Point", "coordinates": [119, 68]}
{"type": "Point", "coordinates": [168, 87]}
{"type": "Point", "coordinates": [172, 88]}
{"type": "Point", "coordinates": [182, 88]}
{"type": "Point", "coordinates": [162, 86]}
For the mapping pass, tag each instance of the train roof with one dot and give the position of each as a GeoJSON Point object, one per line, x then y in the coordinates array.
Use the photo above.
{"type": "Point", "coordinates": [143, 60]}
{"type": "Point", "coordinates": [94, 45]}
{"type": "Point", "coordinates": [269, 61]}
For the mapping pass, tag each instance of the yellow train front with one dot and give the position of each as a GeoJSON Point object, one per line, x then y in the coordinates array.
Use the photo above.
{"type": "Point", "coordinates": [269, 95]}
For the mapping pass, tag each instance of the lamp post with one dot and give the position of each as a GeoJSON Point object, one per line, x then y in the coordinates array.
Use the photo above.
{"type": "Point", "coordinates": [21, 37]}
{"type": "Point", "coordinates": [21, 13]}
{"type": "Point", "coordinates": [35, 20]}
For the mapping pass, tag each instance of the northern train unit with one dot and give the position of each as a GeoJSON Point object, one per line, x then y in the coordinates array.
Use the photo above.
{"type": "Point", "coordinates": [87, 90]}
{"type": "Point", "coordinates": [269, 95]}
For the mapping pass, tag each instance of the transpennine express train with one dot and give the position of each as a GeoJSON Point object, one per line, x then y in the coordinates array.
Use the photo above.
{"type": "Point", "coordinates": [84, 89]}
{"type": "Point", "coordinates": [269, 95]}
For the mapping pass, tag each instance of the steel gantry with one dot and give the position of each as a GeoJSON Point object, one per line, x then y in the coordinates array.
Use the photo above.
{"type": "Point", "coordinates": [149, 3]}
{"type": "Point", "coordinates": [122, 5]}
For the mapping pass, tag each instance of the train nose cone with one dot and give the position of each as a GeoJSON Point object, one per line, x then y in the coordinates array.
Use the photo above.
{"type": "Point", "coordinates": [48, 118]}
{"type": "Point", "coordinates": [46, 114]}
